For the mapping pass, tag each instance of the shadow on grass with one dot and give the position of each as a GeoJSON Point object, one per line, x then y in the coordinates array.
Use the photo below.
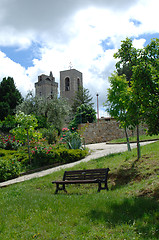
{"type": "Point", "coordinates": [142, 213]}
{"type": "Point", "coordinates": [122, 177]}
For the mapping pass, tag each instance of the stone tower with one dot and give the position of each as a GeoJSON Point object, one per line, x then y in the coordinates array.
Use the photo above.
{"type": "Point", "coordinates": [70, 81]}
{"type": "Point", "coordinates": [46, 86]}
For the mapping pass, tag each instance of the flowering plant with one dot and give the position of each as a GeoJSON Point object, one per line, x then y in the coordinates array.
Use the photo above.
{"type": "Point", "coordinates": [71, 138]}
{"type": "Point", "coordinates": [9, 143]}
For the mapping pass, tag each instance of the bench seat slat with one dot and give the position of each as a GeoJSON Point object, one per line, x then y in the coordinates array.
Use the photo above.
{"type": "Point", "coordinates": [76, 181]}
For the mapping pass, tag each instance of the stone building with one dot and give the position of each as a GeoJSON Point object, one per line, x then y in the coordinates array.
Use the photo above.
{"type": "Point", "coordinates": [46, 86]}
{"type": "Point", "coordinates": [70, 81]}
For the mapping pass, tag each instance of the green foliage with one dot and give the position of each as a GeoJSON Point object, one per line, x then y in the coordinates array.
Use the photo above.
{"type": "Point", "coordinates": [118, 100]}
{"type": "Point", "coordinates": [43, 156]}
{"type": "Point", "coordinates": [10, 97]}
{"type": "Point", "coordinates": [9, 143]}
{"type": "Point", "coordinates": [146, 85]}
{"type": "Point", "coordinates": [30, 105]}
{"type": "Point", "coordinates": [141, 67]}
{"type": "Point", "coordinates": [8, 123]}
{"type": "Point", "coordinates": [72, 139]}
{"type": "Point", "coordinates": [83, 114]}
{"type": "Point", "coordinates": [128, 57]}
{"type": "Point", "coordinates": [42, 121]}
{"type": "Point", "coordinates": [25, 128]}
{"type": "Point", "coordinates": [5, 110]}
{"type": "Point", "coordinates": [48, 111]}
{"type": "Point", "coordinates": [82, 96]}
{"type": "Point", "coordinates": [9, 169]}
{"type": "Point", "coordinates": [50, 134]}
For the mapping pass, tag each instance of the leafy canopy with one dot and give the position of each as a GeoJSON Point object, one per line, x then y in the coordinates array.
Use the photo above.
{"type": "Point", "coordinates": [10, 97]}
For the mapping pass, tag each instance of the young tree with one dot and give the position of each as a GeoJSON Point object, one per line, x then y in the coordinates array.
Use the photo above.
{"type": "Point", "coordinates": [146, 92]}
{"type": "Point", "coordinates": [81, 97]}
{"type": "Point", "coordinates": [10, 97]}
{"type": "Point", "coordinates": [117, 103]}
{"type": "Point", "coordinates": [25, 129]}
{"type": "Point", "coordinates": [142, 71]}
{"type": "Point", "coordinates": [128, 58]}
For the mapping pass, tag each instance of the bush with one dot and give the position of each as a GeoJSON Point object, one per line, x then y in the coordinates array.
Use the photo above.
{"type": "Point", "coordinates": [9, 143]}
{"type": "Point", "coordinates": [21, 156]}
{"type": "Point", "coordinates": [72, 139]}
{"type": "Point", "coordinates": [50, 134]}
{"type": "Point", "coordinates": [8, 123]}
{"type": "Point", "coordinates": [47, 156]}
{"type": "Point", "coordinates": [9, 169]}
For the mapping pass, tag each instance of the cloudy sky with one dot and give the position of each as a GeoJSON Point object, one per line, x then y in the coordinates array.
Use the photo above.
{"type": "Point", "coordinates": [39, 36]}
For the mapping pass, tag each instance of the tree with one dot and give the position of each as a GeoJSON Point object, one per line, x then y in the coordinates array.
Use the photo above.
{"type": "Point", "coordinates": [56, 110]}
{"type": "Point", "coordinates": [82, 96]}
{"type": "Point", "coordinates": [117, 103]}
{"type": "Point", "coordinates": [25, 129]}
{"type": "Point", "coordinates": [10, 97]}
{"type": "Point", "coordinates": [142, 71]}
{"type": "Point", "coordinates": [146, 85]}
{"type": "Point", "coordinates": [53, 111]}
{"type": "Point", "coordinates": [128, 58]}
{"type": "Point", "coordinates": [83, 114]}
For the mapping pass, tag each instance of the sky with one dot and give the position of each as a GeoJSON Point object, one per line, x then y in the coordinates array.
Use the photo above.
{"type": "Point", "coordinates": [39, 36]}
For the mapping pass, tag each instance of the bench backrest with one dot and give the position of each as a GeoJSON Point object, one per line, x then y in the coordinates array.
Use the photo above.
{"type": "Point", "coordinates": [89, 174]}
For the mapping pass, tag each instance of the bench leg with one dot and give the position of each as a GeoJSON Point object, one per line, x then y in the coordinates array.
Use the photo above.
{"type": "Point", "coordinates": [58, 188]}
{"type": "Point", "coordinates": [64, 188]}
{"type": "Point", "coordinates": [106, 186]}
{"type": "Point", "coordinates": [102, 188]}
{"type": "Point", "coordinates": [99, 186]}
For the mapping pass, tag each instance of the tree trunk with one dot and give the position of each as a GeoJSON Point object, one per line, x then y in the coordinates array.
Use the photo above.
{"type": "Point", "coordinates": [28, 143]}
{"type": "Point", "coordinates": [138, 143]}
{"type": "Point", "coordinates": [127, 139]}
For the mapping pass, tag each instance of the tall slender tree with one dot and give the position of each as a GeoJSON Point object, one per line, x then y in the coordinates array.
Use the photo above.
{"type": "Point", "coordinates": [10, 97]}
{"type": "Point", "coordinates": [82, 96]}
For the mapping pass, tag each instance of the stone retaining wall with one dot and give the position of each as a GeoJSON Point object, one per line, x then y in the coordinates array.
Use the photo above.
{"type": "Point", "coordinates": [106, 129]}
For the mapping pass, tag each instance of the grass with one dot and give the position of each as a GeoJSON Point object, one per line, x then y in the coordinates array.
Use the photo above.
{"type": "Point", "coordinates": [134, 139]}
{"type": "Point", "coordinates": [130, 210]}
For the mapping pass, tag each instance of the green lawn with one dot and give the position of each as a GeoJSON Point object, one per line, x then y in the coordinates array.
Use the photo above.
{"type": "Point", "coordinates": [129, 210]}
{"type": "Point", "coordinates": [134, 138]}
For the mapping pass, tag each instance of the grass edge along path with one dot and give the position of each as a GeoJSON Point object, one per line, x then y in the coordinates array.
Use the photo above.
{"type": "Point", "coordinates": [130, 210]}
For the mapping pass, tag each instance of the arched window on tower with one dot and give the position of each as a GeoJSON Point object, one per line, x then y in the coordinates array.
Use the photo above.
{"type": "Point", "coordinates": [67, 84]}
{"type": "Point", "coordinates": [78, 84]}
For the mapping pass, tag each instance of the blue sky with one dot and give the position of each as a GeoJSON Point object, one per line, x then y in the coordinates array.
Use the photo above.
{"type": "Point", "coordinates": [46, 36]}
{"type": "Point", "coordinates": [22, 56]}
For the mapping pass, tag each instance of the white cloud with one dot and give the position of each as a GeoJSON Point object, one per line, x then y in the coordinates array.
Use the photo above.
{"type": "Point", "coordinates": [15, 70]}
{"type": "Point", "coordinates": [72, 31]}
{"type": "Point", "coordinates": [139, 43]}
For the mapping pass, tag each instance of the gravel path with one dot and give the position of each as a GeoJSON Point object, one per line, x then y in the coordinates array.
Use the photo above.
{"type": "Point", "coordinates": [98, 150]}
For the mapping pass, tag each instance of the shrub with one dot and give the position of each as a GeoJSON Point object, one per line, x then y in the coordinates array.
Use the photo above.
{"type": "Point", "coordinates": [46, 156]}
{"type": "Point", "coordinates": [72, 139]}
{"type": "Point", "coordinates": [8, 123]}
{"type": "Point", "coordinates": [50, 134]}
{"type": "Point", "coordinates": [9, 143]}
{"type": "Point", "coordinates": [9, 169]}
{"type": "Point", "coordinates": [21, 156]}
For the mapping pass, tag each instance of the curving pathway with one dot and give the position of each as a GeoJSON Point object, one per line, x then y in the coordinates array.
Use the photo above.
{"type": "Point", "coordinates": [97, 150]}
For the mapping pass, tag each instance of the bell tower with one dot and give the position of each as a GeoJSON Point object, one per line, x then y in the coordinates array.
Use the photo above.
{"type": "Point", "coordinates": [46, 86]}
{"type": "Point", "coordinates": [70, 81]}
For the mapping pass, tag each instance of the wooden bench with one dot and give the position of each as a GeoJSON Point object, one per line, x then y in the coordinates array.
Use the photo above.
{"type": "Point", "coordinates": [84, 177]}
